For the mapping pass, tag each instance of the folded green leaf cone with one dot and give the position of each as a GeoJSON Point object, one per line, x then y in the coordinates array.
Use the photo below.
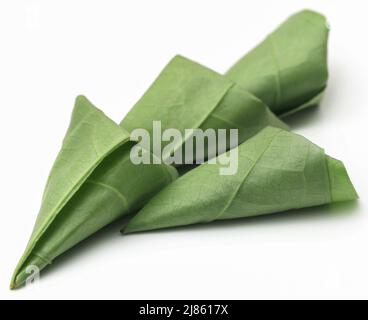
{"type": "Point", "coordinates": [291, 76]}
{"type": "Point", "coordinates": [278, 171]}
{"type": "Point", "coordinates": [92, 183]}
{"type": "Point", "coordinates": [288, 70]}
{"type": "Point", "coordinates": [189, 95]}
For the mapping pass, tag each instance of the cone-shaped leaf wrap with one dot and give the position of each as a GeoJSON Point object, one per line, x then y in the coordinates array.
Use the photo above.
{"type": "Point", "coordinates": [188, 95]}
{"type": "Point", "coordinates": [278, 171]}
{"type": "Point", "coordinates": [92, 183]}
{"type": "Point", "coordinates": [288, 70]}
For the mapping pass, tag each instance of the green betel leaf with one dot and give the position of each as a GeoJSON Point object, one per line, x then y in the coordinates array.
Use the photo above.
{"type": "Point", "coordinates": [188, 95]}
{"type": "Point", "coordinates": [92, 183]}
{"type": "Point", "coordinates": [288, 70]}
{"type": "Point", "coordinates": [278, 171]}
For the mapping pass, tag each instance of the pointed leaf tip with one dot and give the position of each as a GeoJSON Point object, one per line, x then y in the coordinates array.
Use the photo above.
{"type": "Point", "coordinates": [278, 171]}
{"type": "Point", "coordinates": [91, 138]}
{"type": "Point", "coordinates": [342, 188]}
{"type": "Point", "coordinates": [135, 226]}
{"type": "Point", "coordinates": [34, 264]}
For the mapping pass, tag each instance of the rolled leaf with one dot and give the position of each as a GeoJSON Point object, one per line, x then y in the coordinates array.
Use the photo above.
{"type": "Point", "coordinates": [288, 70]}
{"type": "Point", "coordinates": [92, 183]}
{"type": "Point", "coordinates": [278, 171]}
{"type": "Point", "coordinates": [187, 95]}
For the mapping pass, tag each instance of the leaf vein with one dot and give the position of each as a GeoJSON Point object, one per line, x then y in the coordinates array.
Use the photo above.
{"type": "Point", "coordinates": [232, 197]}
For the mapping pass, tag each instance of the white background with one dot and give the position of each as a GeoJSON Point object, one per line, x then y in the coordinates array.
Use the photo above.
{"type": "Point", "coordinates": [50, 51]}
